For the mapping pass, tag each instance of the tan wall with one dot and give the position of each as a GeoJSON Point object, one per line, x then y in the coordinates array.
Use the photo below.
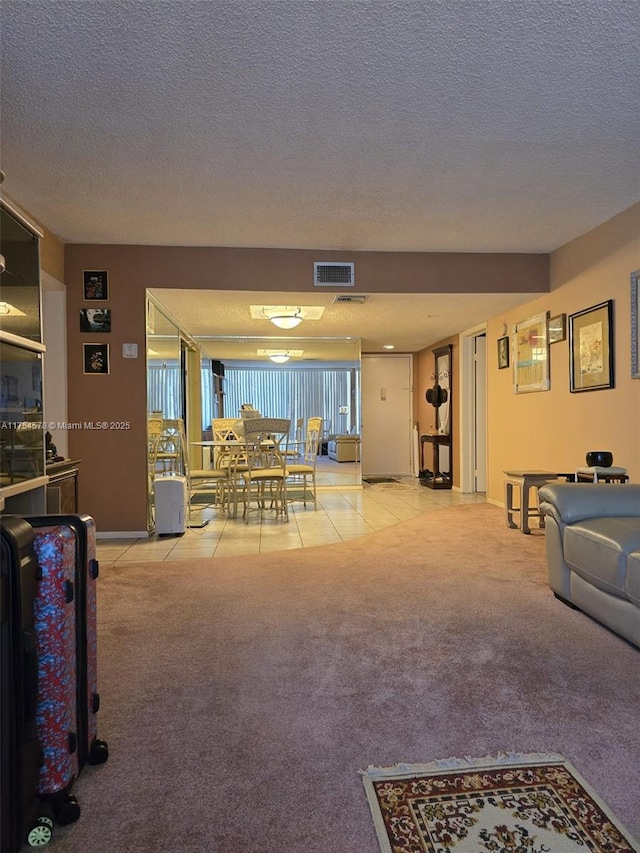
{"type": "Point", "coordinates": [113, 481]}
{"type": "Point", "coordinates": [553, 430]}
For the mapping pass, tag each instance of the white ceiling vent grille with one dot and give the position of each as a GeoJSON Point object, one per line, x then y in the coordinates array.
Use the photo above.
{"type": "Point", "coordinates": [328, 274]}
{"type": "Point", "coordinates": [348, 297]}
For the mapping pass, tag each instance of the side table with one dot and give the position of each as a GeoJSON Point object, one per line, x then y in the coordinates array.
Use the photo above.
{"type": "Point", "coordinates": [525, 481]}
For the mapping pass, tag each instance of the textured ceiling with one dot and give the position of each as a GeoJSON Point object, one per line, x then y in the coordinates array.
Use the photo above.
{"type": "Point", "coordinates": [437, 125]}
{"type": "Point", "coordinates": [409, 321]}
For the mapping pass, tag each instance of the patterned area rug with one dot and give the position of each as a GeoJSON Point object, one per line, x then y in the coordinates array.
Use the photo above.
{"type": "Point", "coordinates": [510, 804]}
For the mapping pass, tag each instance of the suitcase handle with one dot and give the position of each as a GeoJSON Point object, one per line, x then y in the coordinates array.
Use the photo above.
{"type": "Point", "coordinates": [31, 675]}
{"type": "Point", "coordinates": [68, 591]}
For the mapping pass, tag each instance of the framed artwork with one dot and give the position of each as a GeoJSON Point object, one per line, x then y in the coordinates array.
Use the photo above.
{"type": "Point", "coordinates": [503, 352]}
{"type": "Point", "coordinates": [95, 319]}
{"type": "Point", "coordinates": [96, 358]}
{"type": "Point", "coordinates": [591, 348]}
{"type": "Point", "coordinates": [557, 328]}
{"type": "Point", "coordinates": [95, 284]}
{"type": "Point", "coordinates": [635, 314]}
{"type": "Point", "coordinates": [531, 355]}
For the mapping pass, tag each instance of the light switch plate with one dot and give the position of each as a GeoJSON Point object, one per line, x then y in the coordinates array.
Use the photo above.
{"type": "Point", "coordinates": [129, 350]}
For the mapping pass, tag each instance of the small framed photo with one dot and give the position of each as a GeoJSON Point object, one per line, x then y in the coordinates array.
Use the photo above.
{"type": "Point", "coordinates": [95, 319]}
{"type": "Point", "coordinates": [96, 284]}
{"type": "Point", "coordinates": [503, 352]}
{"type": "Point", "coordinates": [96, 358]}
{"type": "Point", "coordinates": [591, 348]}
{"type": "Point", "coordinates": [557, 328]}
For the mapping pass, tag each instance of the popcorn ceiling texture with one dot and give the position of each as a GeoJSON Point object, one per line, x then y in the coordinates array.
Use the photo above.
{"type": "Point", "coordinates": [393, 126]}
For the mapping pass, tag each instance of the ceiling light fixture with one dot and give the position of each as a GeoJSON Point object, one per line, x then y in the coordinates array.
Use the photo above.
{"type": "Point", "coordinates": [280, 357]}
{"type": "Point", "coordinates": [388, 346]}
{"type": "Point", "coordinates": [285, 318]}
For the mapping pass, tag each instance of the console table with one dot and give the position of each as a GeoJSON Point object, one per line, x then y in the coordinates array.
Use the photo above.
{"type": "Point", "coordinates": [525, 481]}
{"type": "Point", "coordinates": [436, 440]}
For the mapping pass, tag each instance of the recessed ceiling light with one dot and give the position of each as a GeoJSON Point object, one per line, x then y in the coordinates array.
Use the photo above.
{"type": "Point", "coordinates": [388, 346]}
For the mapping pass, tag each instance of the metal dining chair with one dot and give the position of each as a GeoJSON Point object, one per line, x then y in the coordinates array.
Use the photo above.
{"type": "Point", "coordinates": [265, 444]}
{"type": "Point", "coordinates": [304, 473]}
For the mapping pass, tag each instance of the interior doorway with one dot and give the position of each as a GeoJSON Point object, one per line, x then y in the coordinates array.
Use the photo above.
{"type": "Point", "coordinates": [387, 415]}
{"type": "Point", "coordinates": [473, 410]}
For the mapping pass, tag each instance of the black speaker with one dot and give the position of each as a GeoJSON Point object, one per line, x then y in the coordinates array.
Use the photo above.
{"type": "Point", "coordinates": [217, 368]}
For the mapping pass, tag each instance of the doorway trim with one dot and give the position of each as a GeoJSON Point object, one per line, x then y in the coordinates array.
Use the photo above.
{"type": "Point", "coordinates": [466, 422]}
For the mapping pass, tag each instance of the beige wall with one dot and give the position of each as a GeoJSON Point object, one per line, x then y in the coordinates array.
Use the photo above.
{"type": "Point", "coordinates": [113, 479]}
{"type": "Point", "coordinates": [553, 430]}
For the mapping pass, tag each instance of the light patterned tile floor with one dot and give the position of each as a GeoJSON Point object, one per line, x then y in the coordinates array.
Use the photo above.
{"type": "Point", "coordinates": [341, 515]}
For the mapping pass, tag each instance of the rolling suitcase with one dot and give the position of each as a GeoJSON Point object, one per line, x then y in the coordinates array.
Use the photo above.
{"type": "Point", "coordinates": [23, 817]}
{"type": "Point", "coordinates": [66, 637]}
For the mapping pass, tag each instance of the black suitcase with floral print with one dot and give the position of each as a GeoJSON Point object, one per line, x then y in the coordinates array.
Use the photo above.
{"type": "Point", "coordinates": [66, 633]}
{"type": "Point", "coordinates": [23, 817]}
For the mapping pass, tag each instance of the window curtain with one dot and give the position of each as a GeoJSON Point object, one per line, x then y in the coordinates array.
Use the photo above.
{"type": "Point", "coordinates": [291, 393]}
{"type": "Point", "coordinates": [164, 389]}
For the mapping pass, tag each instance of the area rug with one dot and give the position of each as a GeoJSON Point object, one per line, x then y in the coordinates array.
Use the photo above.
{"type": "Point", "coordinates": [506, 804]}
{"type": "Point", "coordinates": [373, 481]}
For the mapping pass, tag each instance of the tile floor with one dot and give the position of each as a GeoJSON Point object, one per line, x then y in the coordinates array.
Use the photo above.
{"type": "Point", "coordinates": [343, 513]}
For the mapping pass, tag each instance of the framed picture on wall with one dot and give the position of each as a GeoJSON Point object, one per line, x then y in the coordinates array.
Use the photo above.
{"type": "Point", "coordinates": [557, 328]}
{"type": "Point", "coordinates": [95, 319]}
{"type": "Point", "coordinates": [96, 358]}
{"type": "Point", "coordinates": [591, 348]}
{"type": "Point", "coordinates": [531, 355]}
{"type": "Point", "coordinates": [503, 352]}
{"type": "Point", "coordinates": [95, 284]}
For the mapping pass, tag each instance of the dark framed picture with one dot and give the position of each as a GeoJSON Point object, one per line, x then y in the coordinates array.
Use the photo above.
{"type": "Point", "coordinates": [95, 319]}
{"type": "Point", "coordinates": [503, 352]}
{"type": "Point", "coordinates": [96, 358]}
{"type": "Point", "coordinates": [557, 328]}
{"type": "Point", "coordinates": [591, 348]}
{"type": "Point", "coordinates": [95, 284]}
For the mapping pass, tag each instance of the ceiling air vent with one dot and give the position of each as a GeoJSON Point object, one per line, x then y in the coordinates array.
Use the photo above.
{"type": "Point", "coordinates": [328, 274]}
{"type": "Point", "coordinates": [348, 297]}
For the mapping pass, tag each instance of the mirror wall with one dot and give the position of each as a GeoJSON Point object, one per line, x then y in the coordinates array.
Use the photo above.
{"type": "Point", "coordinates": [320, 377]}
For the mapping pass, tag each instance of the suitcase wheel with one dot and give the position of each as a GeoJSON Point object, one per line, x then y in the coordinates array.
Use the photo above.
{"type": "Point", "coordinates": [66, 809]}
{"type": "Point", "coordinates": [41, 832]}
{"type": "Point", "coordinates": [99, 752]}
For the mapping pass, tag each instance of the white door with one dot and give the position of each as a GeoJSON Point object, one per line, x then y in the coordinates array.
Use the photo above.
{"type": "Point", "coordinates": [387, 415]}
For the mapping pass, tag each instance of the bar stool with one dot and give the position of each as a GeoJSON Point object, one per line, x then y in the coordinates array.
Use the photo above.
{"type": "Point", "coordinates": [525, 481]}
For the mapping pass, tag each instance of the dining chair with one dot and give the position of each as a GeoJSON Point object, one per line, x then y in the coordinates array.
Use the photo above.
{"type": "Point", "coordinates": [294, 452]}
{"type": "Point", "coordinates": [230, 457]}
{"type": "Point", "coordinates": [304, 473]}
{"type": "Point", "coordinates": [265, 444]}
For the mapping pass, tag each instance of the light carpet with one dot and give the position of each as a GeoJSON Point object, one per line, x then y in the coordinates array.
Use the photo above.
{"type": "Point", "coordinates": [241, 695]}
{"type": "Point", "coordinates": [506, 804]}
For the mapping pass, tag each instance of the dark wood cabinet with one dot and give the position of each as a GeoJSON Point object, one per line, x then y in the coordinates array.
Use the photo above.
{"type": "Point", "coordinates": [62, 489]}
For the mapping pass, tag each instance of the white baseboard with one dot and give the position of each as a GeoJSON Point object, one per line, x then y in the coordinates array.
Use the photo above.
{"type": "Point", "coordinates": [122, 534]}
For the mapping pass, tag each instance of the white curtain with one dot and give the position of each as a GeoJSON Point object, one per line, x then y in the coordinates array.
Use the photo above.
{"type": "Point", "coordinates": [290, 393]}
{"type": "Point", "coordinates": [164, 392]}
